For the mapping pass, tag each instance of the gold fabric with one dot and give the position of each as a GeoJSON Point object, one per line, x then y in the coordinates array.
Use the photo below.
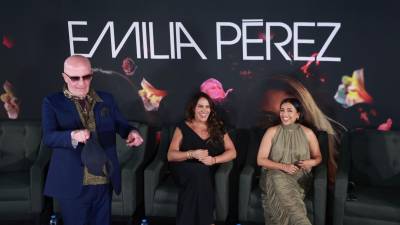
{"type": "Point", "coordinates": [90, 179]}
{"type": "Point", "coordinates": [86, 114]}
{"type": "Point", "coordinates": [283, 194]}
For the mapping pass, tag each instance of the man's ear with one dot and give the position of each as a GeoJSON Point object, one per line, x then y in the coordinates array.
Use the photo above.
{"type": "Point", "coordinates": [64, 77]}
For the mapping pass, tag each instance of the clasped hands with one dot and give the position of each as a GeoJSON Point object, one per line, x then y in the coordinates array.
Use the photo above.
{"type": "Point", "coordinates": [296, 166]}
{"type": "Point", "coordinates": [133, 140]}
{"type": "Point", "coordinates": [202, 156]}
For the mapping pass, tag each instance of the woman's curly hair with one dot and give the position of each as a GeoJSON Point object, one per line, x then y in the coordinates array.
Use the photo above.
{"type": "Point", "coordinates": [215, 126]}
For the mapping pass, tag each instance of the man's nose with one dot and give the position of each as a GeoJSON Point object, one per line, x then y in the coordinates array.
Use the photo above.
{"type": "Point", "coordinates": [81, 82]}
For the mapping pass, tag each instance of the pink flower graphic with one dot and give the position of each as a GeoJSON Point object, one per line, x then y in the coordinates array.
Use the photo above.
{"type": "Point", "coordinates": [213, 88]}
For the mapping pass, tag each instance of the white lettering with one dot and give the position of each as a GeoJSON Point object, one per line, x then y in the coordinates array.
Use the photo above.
{"type": "Point", "coordinates": [220, 42]}
{"type": "Point", "coordinates": [245, 40]}
{"type": "Point", "coordinates": [278, 45]}
{"type": "Point", "coordinates": [297, 41]}
{"type": "Point", "coordinates": [152, 54]}
{"type": "Point", "coordinates": [179, 27]}
{"type": "Point", "coordinates": [72, 39]}
{"type": "Point", "coordinates": [328, 41]}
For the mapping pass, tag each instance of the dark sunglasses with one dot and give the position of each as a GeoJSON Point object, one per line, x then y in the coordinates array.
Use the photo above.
{"type": "Point", "coordinates": [75, 79]}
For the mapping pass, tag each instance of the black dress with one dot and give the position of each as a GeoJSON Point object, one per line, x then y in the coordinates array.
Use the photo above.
{"type": "Point", "coordinates": [195, 181]}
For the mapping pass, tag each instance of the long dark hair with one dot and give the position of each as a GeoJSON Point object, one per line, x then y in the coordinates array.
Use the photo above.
{"type": "Point", "coordinates": [214, 124]}
{"type": "Point", "coordinates": [297, 105]}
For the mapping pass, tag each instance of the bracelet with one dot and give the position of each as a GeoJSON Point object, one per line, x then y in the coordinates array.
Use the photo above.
{"type": "Point", "coordinates": [187, 155]}
{"type": "Point", "coordinates": [190, 155]}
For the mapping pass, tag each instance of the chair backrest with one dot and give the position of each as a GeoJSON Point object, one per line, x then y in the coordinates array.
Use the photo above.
{"type": "Point", "coordinates": [256, 135]}
{"type": "Point", "coordinates": [124, 152]}
{"type": "Point", "coordinates": [240, 138]}
{"type": "Point", "coordinates": [323, 140]}
{"type": "Point", "coordinates": [375, 158]}
{"type": "Point", "coordinates": [19, 145]}
{"type": "Point", "coordinates": [165, 141]}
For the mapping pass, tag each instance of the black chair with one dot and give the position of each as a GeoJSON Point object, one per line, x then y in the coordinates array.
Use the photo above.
{"type": "Point", "coordinates": [132, 162]}
{"type": "Point", "coordinates": [250, 206]}
{"type": "Point", "coordinates": [22, 163]}
{"type": "Point", "coordinates": [368, 179]}
{"type": "Point", "coordinates": [161, 193]}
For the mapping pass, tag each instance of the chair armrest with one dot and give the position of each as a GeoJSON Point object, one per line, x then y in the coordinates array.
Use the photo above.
{"type": "Point", "coordinates": [320, 193]}
{"type": "Point", "coordinates": [151, 181]}
{"type": "Point", "coordinates": [342, 176]}
{"type": "Point", "coordinates": [222, 190]}
{"type": "Point", "coordinates": [37, 178]}
{"type": "Point", "coordinates": [245, 182]}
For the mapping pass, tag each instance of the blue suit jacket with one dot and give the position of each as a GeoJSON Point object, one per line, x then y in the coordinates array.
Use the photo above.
{"type": "Point", "coordinates": [59, 118]}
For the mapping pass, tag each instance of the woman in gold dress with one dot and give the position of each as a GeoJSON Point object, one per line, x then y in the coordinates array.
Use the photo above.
{"type": "Point", "coordinates": [287, 153]}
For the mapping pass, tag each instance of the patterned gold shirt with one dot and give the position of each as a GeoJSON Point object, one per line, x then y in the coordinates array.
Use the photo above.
{"type": "Point", "coordinates": [85, 107]}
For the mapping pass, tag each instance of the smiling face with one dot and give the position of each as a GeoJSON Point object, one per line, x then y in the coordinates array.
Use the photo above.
{"type": "Point", "coordinates": [288, 114]}
{"type": "Point", "coordinates": [202, 110]}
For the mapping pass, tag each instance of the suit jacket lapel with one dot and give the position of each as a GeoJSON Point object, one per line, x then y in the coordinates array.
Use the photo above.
{"type": "Point", "coordinates": [74, 112]}
{"type": "Point", "coordinates": [97, 113]}
{"type": "Point", "coordinates": [101, 111]}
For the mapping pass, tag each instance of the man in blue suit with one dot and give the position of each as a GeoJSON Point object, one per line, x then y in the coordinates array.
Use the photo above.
{"type": "Point", "coordinates": [79, 125]}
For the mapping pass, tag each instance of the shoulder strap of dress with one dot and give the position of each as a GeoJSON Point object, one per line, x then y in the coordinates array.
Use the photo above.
{"type": "Point", "coordinates": [182, 125]}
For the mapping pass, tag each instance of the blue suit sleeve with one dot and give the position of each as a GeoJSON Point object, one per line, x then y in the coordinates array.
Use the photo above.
{"type": "Point", "coordinates": [53, 136]}
{"type": "Point", "coordinates": [122, 126]}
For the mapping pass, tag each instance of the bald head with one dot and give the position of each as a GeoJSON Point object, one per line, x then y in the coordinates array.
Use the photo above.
{"type": "Point", "coordinates": [77, 75]}
{"type": "Point", "coordinates": [77, 64]}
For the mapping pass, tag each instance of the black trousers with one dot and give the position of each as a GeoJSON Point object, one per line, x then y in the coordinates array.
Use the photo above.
{"type": "Point", "coordinates": [196, 193]}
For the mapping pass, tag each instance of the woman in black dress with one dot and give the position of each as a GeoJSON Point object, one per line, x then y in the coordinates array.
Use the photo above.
{"type": "Point", "coordinates": [198, 143]}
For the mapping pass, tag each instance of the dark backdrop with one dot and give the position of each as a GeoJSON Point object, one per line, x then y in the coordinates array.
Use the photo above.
{"type": "Point", "coordinates": [368, 38]}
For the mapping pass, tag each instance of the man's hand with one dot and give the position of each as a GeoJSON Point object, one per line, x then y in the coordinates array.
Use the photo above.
{"type": "Point", "coordinates": [134, 139]}
{"type": "Point", "coordinates": [80, 135]}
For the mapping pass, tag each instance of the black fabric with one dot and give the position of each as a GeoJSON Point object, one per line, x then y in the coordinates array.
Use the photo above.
{"type": "Point", "coordinates": [368, 174]}
{"type": "Point", "coordinates": [385, 152]}
{"type": "Point", "coordinates": [375, 158]}
{"type": "Point", "coordinates": [195, 182]}
{"type": "Point", "coordinates": [94, 157]}
{"type": "Point", "coordinates": [196, 194]}
{"type": "Point", "coordinates": [193, 141]}
{"type": "Point", "coordinates": [375, 203]}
